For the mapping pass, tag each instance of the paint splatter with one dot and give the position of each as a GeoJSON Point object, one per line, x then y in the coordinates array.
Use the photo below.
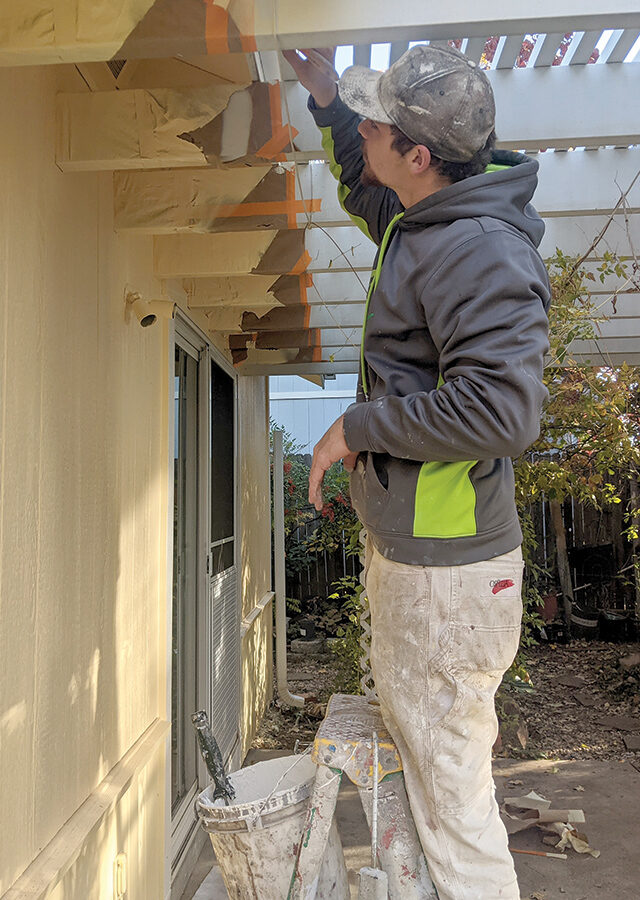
{"type": "Point", "coordinates": [502, 585]}
{"type": "Point", "coordinates": [387, 837]}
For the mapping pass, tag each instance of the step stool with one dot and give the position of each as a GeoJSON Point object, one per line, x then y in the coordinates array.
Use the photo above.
{"type": "Point", "coordinates": [344, 746]}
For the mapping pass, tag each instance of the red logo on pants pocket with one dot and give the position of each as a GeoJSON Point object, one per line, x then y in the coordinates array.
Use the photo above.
{"type": "Point", "coordinates": [501, 585]}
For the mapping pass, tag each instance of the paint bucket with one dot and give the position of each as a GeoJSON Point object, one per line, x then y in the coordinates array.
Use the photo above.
{"type": "Point", "coordinates": [256, 839]}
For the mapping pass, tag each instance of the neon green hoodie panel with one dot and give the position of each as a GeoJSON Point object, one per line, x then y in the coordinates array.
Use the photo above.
{"type": "Point", "coordinates": [336, 170]}
{"type": "Point", "coordinates": [445, 501]}
{"type": "Point", "coordinates": [445, 504]}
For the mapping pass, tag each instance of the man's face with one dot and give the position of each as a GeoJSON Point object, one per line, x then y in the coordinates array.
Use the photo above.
{"type": "Point", "coordinates": [381, 162]}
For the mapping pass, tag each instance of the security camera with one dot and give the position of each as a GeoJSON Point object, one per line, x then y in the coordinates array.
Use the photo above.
{"type": "Point", "coordinates": [148, 312]}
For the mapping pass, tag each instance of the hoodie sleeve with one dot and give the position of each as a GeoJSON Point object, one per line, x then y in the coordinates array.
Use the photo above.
{"type": "Point", "coordinates": [370, 208]}
{"type": "Point", "coordinates": [485, 309]}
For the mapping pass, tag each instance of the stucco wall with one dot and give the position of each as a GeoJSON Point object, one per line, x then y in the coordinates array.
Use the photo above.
{"type": "Point", "coordinates": [82, 484]}
{"type": "Point", "coordinates": [83, 512]}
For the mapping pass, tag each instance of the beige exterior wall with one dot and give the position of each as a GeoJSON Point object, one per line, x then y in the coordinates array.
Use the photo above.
{"type": "Point", "coordinates": [83, 511]}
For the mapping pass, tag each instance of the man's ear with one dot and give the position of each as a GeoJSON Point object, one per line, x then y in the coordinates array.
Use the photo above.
{"type": "Point", "coordinates": [419, 159]}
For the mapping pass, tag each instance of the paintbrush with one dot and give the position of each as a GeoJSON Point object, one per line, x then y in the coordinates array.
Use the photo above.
{"type": "Point", "coordinates": [540, 853]}
{"type": "Point", "coordinates": [212, 757]}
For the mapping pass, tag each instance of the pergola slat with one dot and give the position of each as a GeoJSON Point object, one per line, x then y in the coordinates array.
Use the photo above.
{"type": "Point", "coordinates": [362, 55]}
{"type": "Point", "coordinates": [625, 42]}
{"type": "Point", "coordinates": [475, 47]}
{"type": "Point", "coordinates": [584, 48]}
{"type": "Point", "coordinates": [397, 49]}
{"type": "Point", "coordinates": [548, 49]}
{"type": "Point", "coordinates": [510, 51]}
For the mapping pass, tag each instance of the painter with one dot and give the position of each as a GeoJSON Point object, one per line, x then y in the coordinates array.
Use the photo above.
{"type": "Point", "coordinates": [450, 389]}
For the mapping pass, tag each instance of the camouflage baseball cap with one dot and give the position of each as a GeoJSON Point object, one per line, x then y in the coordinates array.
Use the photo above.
{"type": "Point", "coordinates": [433, 93]}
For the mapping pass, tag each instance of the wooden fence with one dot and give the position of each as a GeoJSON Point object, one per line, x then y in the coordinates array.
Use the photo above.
{"type": "Point", "coordinates": [600, 556]}
{"type": "Point", "coordinates": [600, 553]}
{"type": "Point", "coordinates": [316, 579]}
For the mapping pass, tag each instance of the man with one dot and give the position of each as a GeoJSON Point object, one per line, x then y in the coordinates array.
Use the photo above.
{"type": "Point", "coordinates": [450, 389]}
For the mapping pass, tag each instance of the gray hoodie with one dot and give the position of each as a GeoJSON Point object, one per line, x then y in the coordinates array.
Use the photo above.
{"type": "Point", "coordinates": [454, 336]}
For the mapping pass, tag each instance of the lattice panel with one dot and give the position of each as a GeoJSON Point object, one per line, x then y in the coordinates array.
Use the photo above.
{"type": "Point", "coordinates": [366, 682]}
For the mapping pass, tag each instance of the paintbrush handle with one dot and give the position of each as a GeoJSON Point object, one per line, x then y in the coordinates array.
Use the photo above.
{"type": "Point", "coordinates": [540, 853]}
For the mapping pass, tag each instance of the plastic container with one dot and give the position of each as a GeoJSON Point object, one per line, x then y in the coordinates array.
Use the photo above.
{"type": "Point", "coordinates": [584, 623]}
{"type": "Point", "coordinates": [256, 839]}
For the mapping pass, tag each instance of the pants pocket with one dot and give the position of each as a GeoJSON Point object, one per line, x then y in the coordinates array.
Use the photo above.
{"type": "Point", "coordinates": [486, 613]}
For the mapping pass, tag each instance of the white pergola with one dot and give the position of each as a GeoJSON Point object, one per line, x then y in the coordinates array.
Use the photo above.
{"type": "Point", "coordinates": [200, 119]}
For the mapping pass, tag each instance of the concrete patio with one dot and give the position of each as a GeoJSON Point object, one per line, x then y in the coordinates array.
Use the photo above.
{"type": "Point", "coordinates": [610, 801]}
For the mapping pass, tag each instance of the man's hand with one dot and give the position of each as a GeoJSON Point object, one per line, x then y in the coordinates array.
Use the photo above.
{"type": "Point", "coordinates": [330, 448]}
{"type": "Point", "coordinates": [316, 73]}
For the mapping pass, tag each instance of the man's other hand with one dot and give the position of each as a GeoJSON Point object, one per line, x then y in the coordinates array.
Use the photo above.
{"type": "Point", "coordinates": [330, 448]}
{"type": "Point", "coordinates": [316, 72]}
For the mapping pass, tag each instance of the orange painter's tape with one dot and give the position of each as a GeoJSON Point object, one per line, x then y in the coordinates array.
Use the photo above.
{"type": "Point", "coordinates": [305, 281]}
{"type": "Point", "coordinates": [277, 142]}
{"type": "Point", "coordinates": [216, 28]}
{"type": "Point", "coordinates": [248, 43]}
{"type": "Point", "coordinates": [301, 264]}
{"type": "Point", "coordinates": [316, 344]}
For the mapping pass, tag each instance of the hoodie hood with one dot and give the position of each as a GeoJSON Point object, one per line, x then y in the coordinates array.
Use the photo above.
{"type": "Point", "coordinates": [504, 192]}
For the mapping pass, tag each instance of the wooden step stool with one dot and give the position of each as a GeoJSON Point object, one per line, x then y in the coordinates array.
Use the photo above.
{"type": "Point", "coordinates": [344, 746]}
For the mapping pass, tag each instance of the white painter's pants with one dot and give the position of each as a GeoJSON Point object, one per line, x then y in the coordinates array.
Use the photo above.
{"type": "Point", "coordinates": [442, 637]}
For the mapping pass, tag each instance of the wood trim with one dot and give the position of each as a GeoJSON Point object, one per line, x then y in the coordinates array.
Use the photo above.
{"type": "Point", "coordinates": [51, 865]}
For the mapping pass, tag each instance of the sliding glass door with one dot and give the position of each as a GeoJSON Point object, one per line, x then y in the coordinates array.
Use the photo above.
{"type": "Point", "coordinates": [205, 633]}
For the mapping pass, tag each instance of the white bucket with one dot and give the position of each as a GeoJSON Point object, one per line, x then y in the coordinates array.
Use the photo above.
{"type": "Point", "coordinates": [256, 838]}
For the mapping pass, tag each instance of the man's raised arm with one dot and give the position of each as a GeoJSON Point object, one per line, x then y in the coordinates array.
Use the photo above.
{"type": "Point", "coordinates": [370, 208]}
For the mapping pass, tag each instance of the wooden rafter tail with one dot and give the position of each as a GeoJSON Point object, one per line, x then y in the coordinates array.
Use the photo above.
{"type": "Point", "coordinates": [208, 200]}
{"type": "Point", "coordinates": [192, 28]}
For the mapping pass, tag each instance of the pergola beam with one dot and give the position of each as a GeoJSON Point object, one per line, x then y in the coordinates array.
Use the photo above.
{"type": "Point", "coordinates": [318, 368]}
{"type": "Point", "coordinates": [81, 31]}
{"type": "Point", "coordinates": [343, 324]}
{"type": "Point", "coordinates": [536, 108]}
{"type": "Point", "coordinates": [255, 198]}
{"type": "Point", "coordinates": [571, 106]}
{"type": "Point", "coordinates": [345, 250]}
{"type": "Point", "coordinates": [335, 22]}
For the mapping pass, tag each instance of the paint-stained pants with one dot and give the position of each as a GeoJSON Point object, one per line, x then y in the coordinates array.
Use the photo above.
{"type": "Point", "coordinates": [442, 637]}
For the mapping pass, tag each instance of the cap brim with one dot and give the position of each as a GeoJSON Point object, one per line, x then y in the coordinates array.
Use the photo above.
{"type": "Point", "coordinates": [358, 89]}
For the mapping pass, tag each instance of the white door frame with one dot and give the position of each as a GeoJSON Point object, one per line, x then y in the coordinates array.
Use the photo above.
{"type": "Point", "coordinates": [181, 830]}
